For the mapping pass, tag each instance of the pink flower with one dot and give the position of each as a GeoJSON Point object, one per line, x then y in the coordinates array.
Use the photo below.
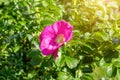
{"type": "Point", "coordinates": [54, 36]}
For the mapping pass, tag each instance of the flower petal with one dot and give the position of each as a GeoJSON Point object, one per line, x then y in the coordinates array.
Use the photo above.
{"type": "Point", "coordinates": [48, 32]}
{"type": "Point", "coordinates": [65, 28]}
{"type": "Point", "coordinates": [47, 44]}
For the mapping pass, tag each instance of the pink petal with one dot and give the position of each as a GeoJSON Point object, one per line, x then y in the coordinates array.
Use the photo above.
{"type": "Point", "coordinates": [47, 44]}
{"type": "Point", "coordinates": [64, 28]}
{"type": "Point", "coordinates": [48, 32]}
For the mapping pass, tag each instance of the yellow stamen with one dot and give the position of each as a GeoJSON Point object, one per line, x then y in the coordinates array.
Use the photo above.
{"type": "Point", "coordinates": [59, 39]}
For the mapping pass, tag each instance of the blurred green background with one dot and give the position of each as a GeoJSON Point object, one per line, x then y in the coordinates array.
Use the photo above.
{"type": "Point", "coordinates": [92, 54]}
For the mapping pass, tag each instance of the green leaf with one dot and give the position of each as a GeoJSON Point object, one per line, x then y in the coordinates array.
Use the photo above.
{"type": "Point", "coordinates": [34, 52]}
{"type": "Point", "coordinates": [87, 48]}
{"type": "Point", "coordinates": [87, 77]}
{"type": "Point", "coordinates": [29, 37]}
{"type": "Point", "coordinates": [35, 60]}
{"type": "Point", "coordinates": [101, 36]}
{"type": "Point", "coordinates": [78, 73]}
{"type": "Point", "coordinates": [35, 56]}
{"type": "Point", "coordinates": [60, 60]}
{"type": "Point", "coordinates": [44, 3]}
{"type": "Point", "coordinates": [111, 71]}
{"type": "Point", "coordinates": [114, 71]}
{"type": "Point", "coordinates": [64, 76]}
{"type": "Point", "coordinates": [116, 63]}
{"type": "Point", "coordinates": [110, 54]}
{"type": "Point", "coordinates": [71, 62]}
{"type": "Point", "coordinates": [87, 69]}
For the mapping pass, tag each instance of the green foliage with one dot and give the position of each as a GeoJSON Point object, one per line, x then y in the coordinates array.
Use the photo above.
{"type": "Point", "coordinates": [20, 25]}
{"type": "Point", "coordinates": [92, 54]}
{"type": "Point", "coordinates": [71, 62]}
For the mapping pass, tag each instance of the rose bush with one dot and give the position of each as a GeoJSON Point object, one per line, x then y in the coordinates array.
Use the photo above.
{"type": "Point", "coordinates": [30, 29]}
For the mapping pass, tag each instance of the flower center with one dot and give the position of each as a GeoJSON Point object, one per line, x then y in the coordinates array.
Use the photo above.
{"type": "Point", "coordinates": [59, 39]}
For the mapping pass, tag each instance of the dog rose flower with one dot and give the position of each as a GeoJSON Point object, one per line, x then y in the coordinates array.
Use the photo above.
{"type": "Point", "coordinates": [54, 36]}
